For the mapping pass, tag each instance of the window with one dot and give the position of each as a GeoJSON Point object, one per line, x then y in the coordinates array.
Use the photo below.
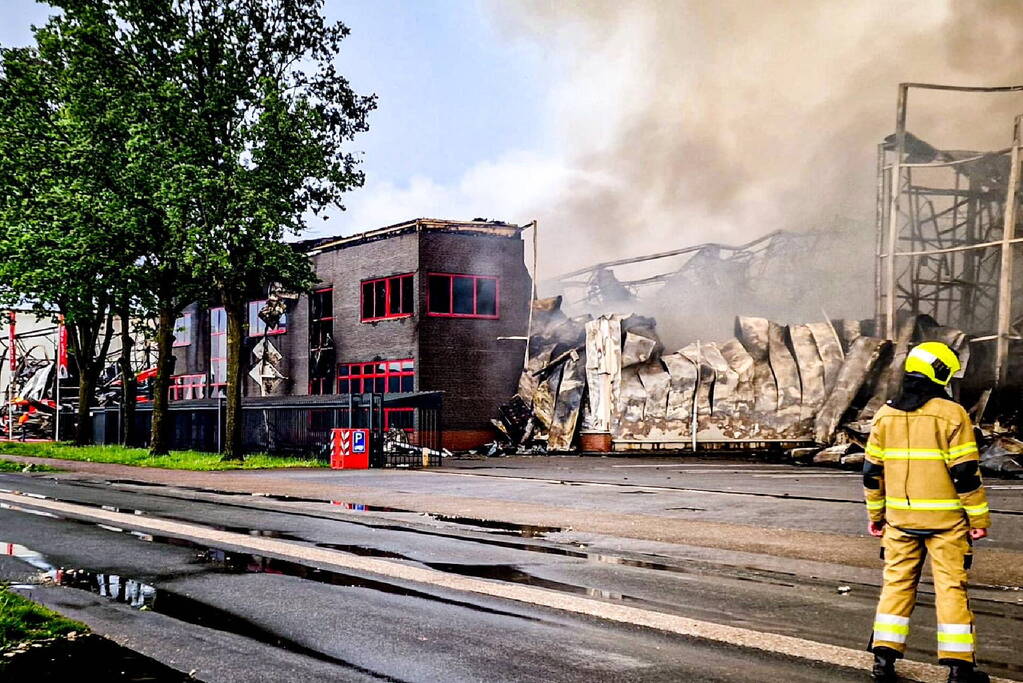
{"type": "Point", "coordinates": [389, 297]}
{"type": "Point", "coordinates": [401, 418]}
{"type": "Point", "coordinates": [380, 377]}
{"type": "Point", "coordinates": [321, 342]}
{"type": "Point", "coordinates": [183, 330]}
{"type": "Point", "coordinates": [218, 347]}
{"type": "Point", "coordinates": [462, 296]}
{"type": "Point", "coordinates": [187, 387]}
{"type": "Point", "coordinates": [257, 328]}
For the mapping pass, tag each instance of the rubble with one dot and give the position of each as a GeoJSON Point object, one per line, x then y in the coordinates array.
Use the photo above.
{"type": "Point", "coordinates": [611, 383]}
{"type": "Point", "coordinates": [1003, 458]}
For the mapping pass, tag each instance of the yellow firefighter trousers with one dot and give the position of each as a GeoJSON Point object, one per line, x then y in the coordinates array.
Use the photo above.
{"type": "Point", "coordinates": [903, 561]}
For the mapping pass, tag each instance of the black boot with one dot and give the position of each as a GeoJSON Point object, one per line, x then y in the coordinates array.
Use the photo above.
{"type": "Point", "coordinates": [884, 666]}
{"type": "Point", "coordinates": [965, 672]}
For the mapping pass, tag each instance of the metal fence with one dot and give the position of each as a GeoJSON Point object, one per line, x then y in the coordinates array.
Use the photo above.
{"type": "Point", "coordinates": [282, 427]}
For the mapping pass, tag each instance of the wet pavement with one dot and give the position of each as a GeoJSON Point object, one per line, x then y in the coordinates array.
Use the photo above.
{"type": "Point", "coordinates": [323, 622]}
{"type": "Point", "coordinates": [278, 621]}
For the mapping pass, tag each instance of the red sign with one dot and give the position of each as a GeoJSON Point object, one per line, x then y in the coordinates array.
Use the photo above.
{"type": "Point", "coordinates": [11, 333]}
{"type": "Point", "coordinates": [62, 350]}
{"type": "Point", "coordinates": [349, 449]}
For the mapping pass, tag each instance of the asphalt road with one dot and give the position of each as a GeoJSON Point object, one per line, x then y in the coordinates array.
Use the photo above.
{"type": "Point", "coordinates": [233, 615]}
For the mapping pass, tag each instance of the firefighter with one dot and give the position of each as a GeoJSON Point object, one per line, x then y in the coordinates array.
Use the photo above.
{"type": "Point", "coordinates": [925, 496]}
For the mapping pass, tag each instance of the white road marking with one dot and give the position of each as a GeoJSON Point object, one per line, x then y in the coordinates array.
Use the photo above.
{"type": "Point", "coordinates": [691, 628]}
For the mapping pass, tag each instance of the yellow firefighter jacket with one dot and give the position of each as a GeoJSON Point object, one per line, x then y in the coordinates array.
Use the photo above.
{"type": "Point", "coordinates": [921, 469]}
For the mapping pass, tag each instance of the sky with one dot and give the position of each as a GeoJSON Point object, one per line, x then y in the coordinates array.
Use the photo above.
{"type": "Point", "coordinates": [628, 128]}
{"type": "Point", "coordinates": [452, 93]}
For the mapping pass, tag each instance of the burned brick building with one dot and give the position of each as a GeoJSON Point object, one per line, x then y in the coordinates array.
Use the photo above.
{"type": "Point", "coordinates": [424, 307]}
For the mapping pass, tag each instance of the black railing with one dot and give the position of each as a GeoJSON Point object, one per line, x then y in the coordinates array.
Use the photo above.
{"type": "Point", "coordinates": [297, 426]}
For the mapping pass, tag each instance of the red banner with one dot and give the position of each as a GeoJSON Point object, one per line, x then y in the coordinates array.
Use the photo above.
{"type": "Point", "coordinates": [62, 350]}
{"type": "Point", "coordinates": [10, 340]}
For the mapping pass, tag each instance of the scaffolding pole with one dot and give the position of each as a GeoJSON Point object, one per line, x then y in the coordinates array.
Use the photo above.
{"type": "Point", "coordinates": [1006, 269]}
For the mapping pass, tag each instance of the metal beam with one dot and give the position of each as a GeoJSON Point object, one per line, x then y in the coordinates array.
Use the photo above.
{"type": "Point", "coordinates": [1005, 274]}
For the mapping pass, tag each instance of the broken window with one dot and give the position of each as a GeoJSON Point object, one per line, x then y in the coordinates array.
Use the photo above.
{"type": "Point", "coordinates": [462, 296]}
{"type": "Point", "coordinates": [321, 342]}
{"type": "Point", "coordinates": [389, 297]}
{"type": "Point", "coordinates": [257, 326]}
{"type": "Point", "coordinates": [183, 330]}
{"type": "Point", "coordinates": [187, 387]}
{"type": "Point", "coordinates": [379, 377]}
{"type": "Point", "coordinates": [218, 348]}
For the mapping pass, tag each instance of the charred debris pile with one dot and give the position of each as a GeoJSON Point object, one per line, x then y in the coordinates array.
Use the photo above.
{"type": "Point", "coordinates": [806, 392]}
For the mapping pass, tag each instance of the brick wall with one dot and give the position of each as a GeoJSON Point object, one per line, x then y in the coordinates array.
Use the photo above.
{"type": "Point", "coordinates": [463, 356]}
{"type": "Point", "coordinates": [459, 356]}
{"type": "Point", "coordinates": [356, 341]}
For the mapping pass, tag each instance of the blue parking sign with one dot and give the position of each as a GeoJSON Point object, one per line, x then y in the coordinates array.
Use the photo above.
{"type": "Point", "coordinates": [359, 442]}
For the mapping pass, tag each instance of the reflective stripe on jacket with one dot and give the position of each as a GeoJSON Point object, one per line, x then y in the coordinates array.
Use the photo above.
{"type": "Point", "coordinates": [921, 468]}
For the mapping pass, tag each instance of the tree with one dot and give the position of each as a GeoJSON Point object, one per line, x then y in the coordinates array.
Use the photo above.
{"type": "Point", "coordinates": [64, 230]}
{"type": "Point", "coordinates": [260, 132]}
{"type": "Point", "coordinates": [213, 128]}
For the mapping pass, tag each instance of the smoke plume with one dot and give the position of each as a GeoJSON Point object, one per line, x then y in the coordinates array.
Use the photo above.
{"type": "Point", "coordinates": [683, 121]}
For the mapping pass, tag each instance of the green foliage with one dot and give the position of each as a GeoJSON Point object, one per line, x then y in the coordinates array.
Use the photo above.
{"type": "Point", "coordinates": [22, 620]}
{"type": "Point", "coordinates": [140, 457]}
{"type": "Point", "coordinates": [157, 152]}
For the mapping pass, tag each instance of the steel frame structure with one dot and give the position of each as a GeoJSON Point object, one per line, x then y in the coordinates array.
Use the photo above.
{"type": "Point", "coordinates": [749, 263]}
{"type": "Point", "coordinates": [947, 232]}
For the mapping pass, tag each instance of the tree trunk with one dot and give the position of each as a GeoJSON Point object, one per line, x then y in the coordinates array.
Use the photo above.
{"type": "Point", "coordinates": [86, 389]}
{"type": "Point", "coordinates": [235, 310]}
{"type": "Point", "coordinates": [129, 387]}
{"type": "Point", "coordinates": [158, 442]}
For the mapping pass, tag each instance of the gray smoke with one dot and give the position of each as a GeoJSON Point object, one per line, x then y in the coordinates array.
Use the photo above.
{"type": "Point", "coordinates": [698, 120]}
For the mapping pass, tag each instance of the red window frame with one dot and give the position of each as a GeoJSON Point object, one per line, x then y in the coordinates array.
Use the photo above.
{"type": "Point", "coordinates": [393, 287]}
{"type": "Point", "coordinates": [186, 325]}
{"type": "Point", "coordinates": [215, 361]}
{"type": "Point", "coordinates": [475, 296]}
{"type": "Point", "coordinates": [319, 386]}
{"type": "Point", "coordinates": [281, 328]}
{"type": "Point", "coordinates": [388, 412]}
{"type": "Point", "coordinates": [393, 376]}
{"type": "Point", "coordinates": [182, 384]}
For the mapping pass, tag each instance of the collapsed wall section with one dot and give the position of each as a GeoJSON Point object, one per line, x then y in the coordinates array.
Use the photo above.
{"type": "Point", "coordinates": [611, 377]}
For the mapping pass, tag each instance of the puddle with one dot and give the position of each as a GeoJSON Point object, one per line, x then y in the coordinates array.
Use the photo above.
{"type": "Point", "coordinates": [147, 597]}
{"type": "Point", "coordinates": [366, 551]}
{"type": "Point", "coordinates": [248, 531]}
{"type": "Point", "coordinates": [232, 562]}
{"type": "Point", "coordinates": [494, 527]}
{"type": "Point", "coordinates": [511, 574]}
{"type": "Point", "coordinates": [523, 530]}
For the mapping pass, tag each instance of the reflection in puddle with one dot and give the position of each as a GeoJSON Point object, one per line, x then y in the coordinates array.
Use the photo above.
{"type": "Point", "coordinates": [524, 530]}
{"type": "Point", "coordinates": [111, 586]}
{"type": "Point", "coordinates": [366, 551]}
{"type": "Point", "coordinates": [511, 574]}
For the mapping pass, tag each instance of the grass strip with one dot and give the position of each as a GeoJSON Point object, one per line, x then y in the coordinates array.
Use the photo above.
{"type": "Point", "coordinates": [23, 621]}
{"type": "Point", "coordinates": [12, 466]}
{"type": "Point", "coordinates": [140, 457]}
